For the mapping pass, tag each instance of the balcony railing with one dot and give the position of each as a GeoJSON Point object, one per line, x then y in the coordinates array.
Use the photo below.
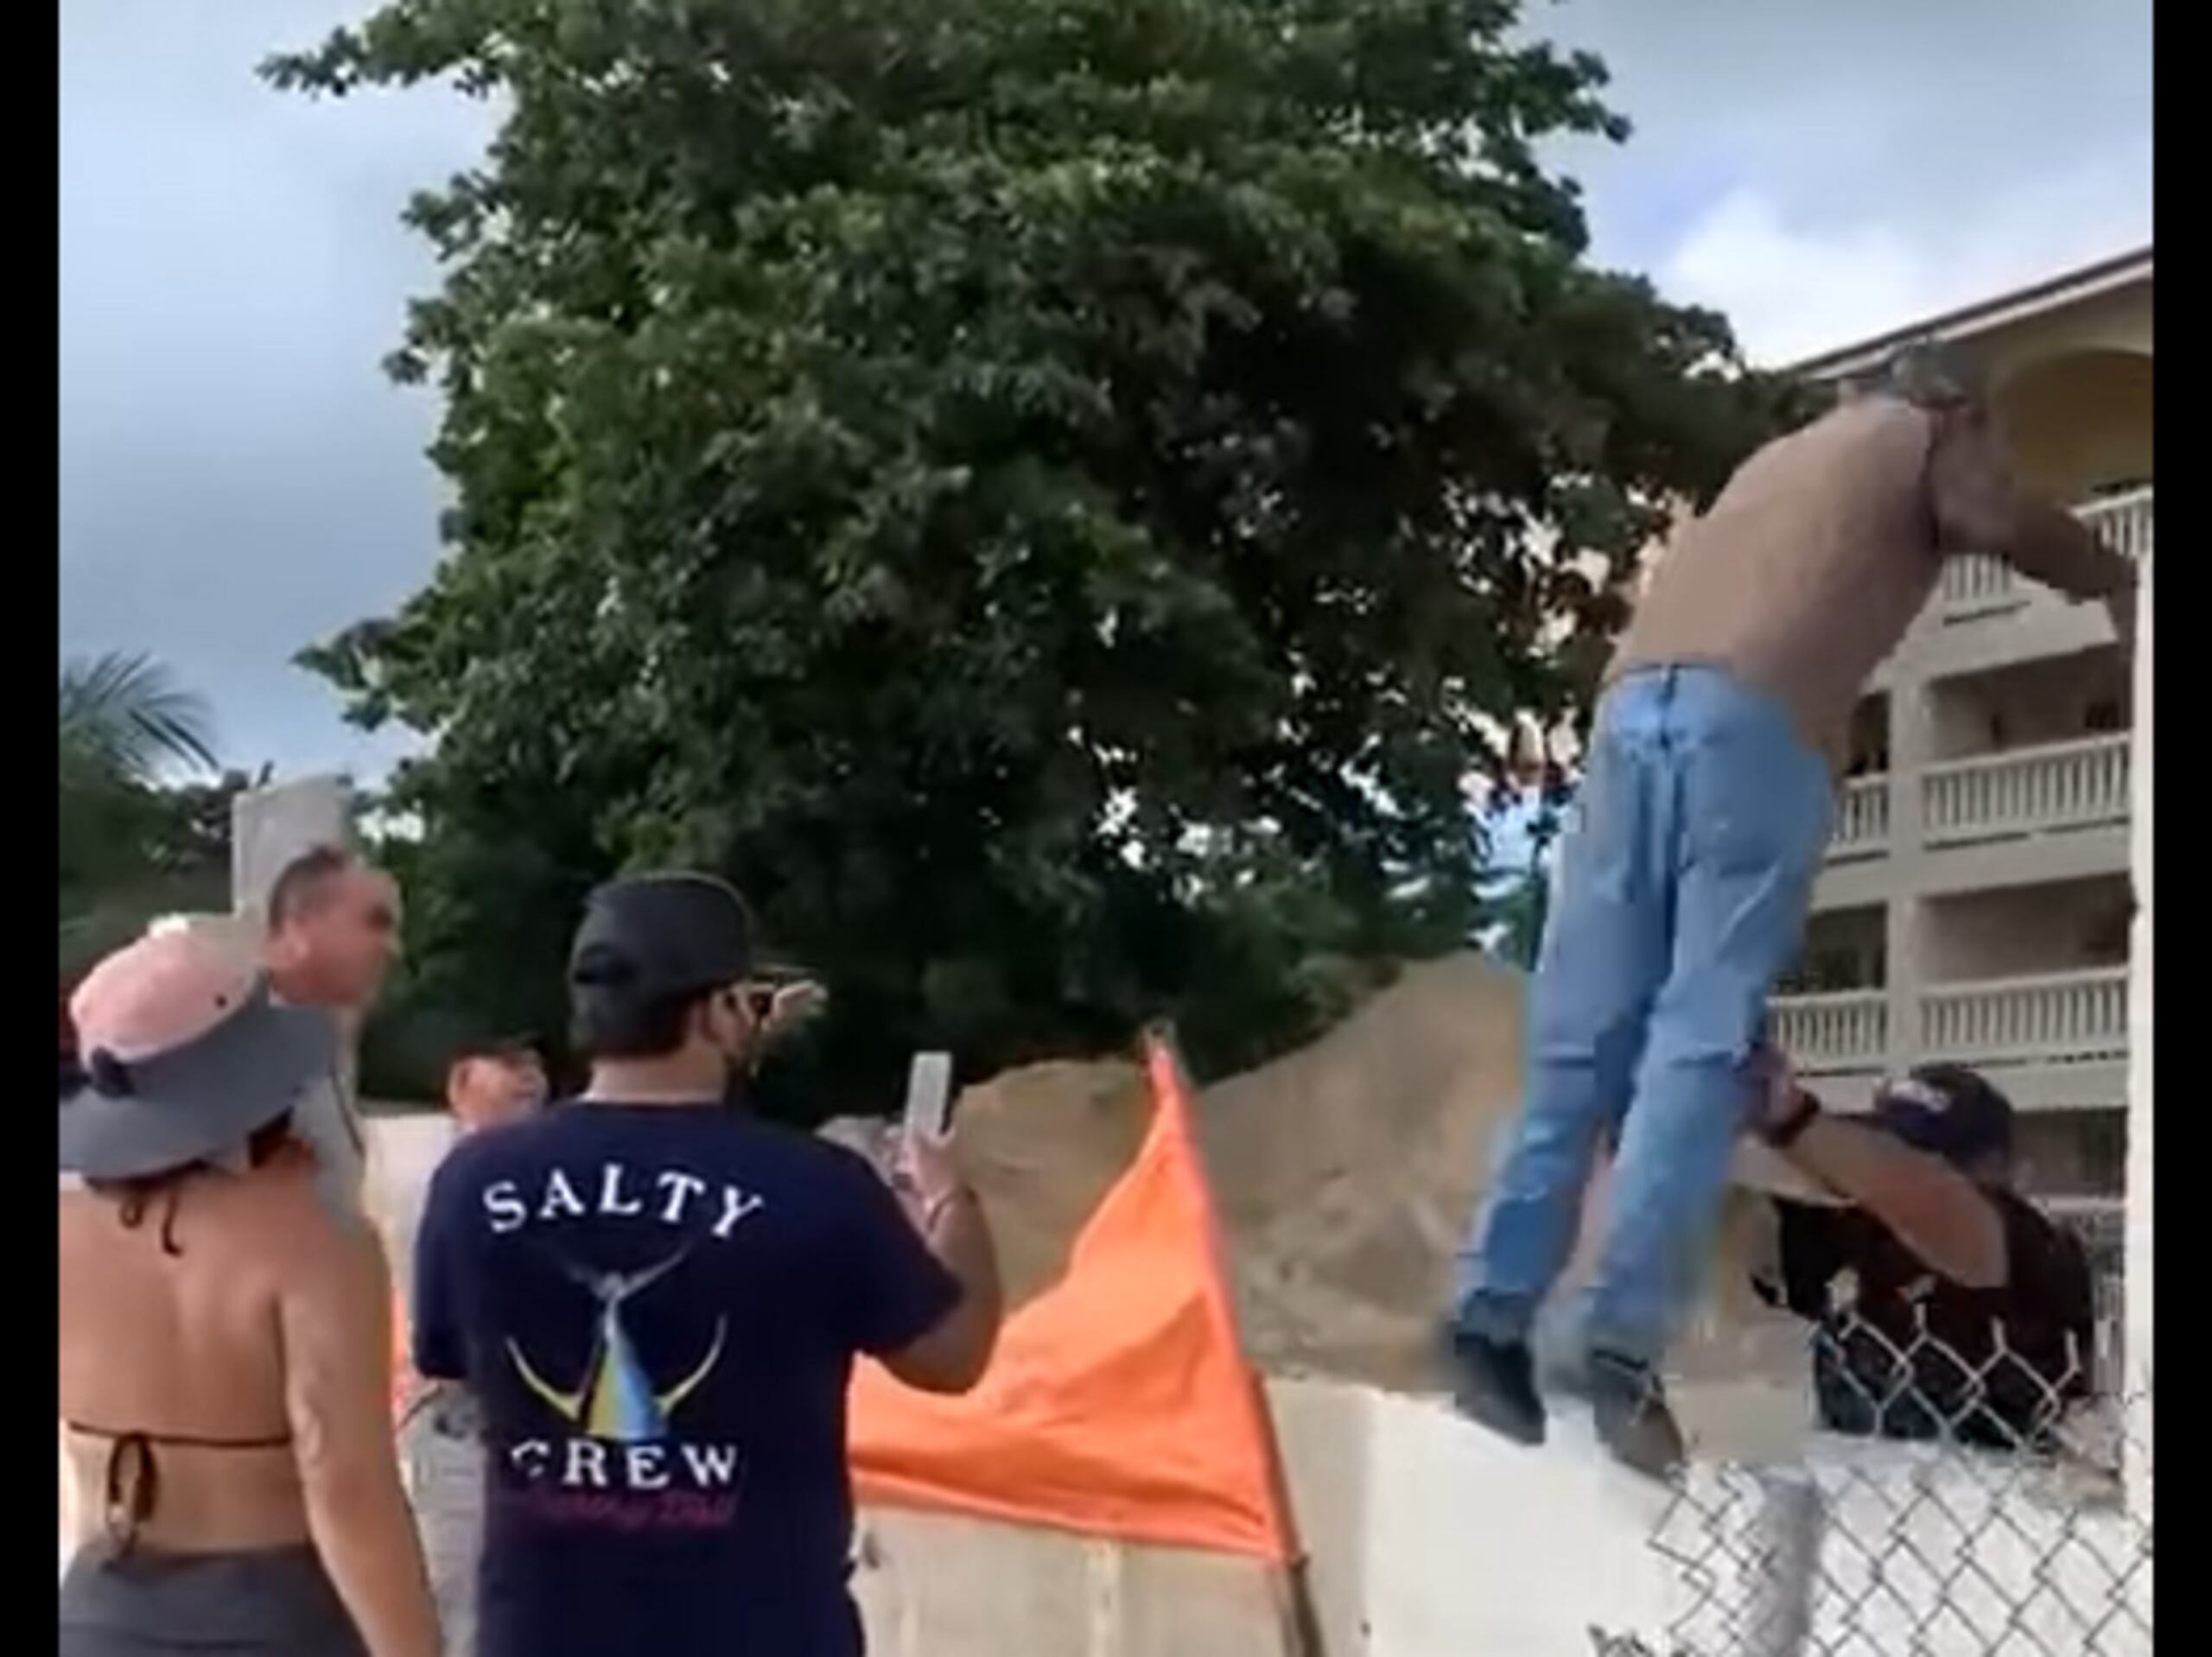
{"type": "Point", "coordinates": [2056, 785]}
{"type": "Point", "coordinates": [2057, 1016]}
{"type": "Point", "coordinates": [1975, 583]}
{"type": "Point", "coordinates": [2054, 1018]}
{"type": "Point", "coordinates": [1862, 818]}
{"type": "Point", "coordinates": [2051, 787]}
{"type": "Point", "coordinates": [1823, 1034]}
{"type": "Point", "coordinates": [2124, 523]}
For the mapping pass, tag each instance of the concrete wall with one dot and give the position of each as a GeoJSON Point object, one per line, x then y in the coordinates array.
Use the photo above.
{"type": "Point", "coordinates": [936, 1585]}
{"type": "Point", "coordinates": [1430, 1538]}
{"type": "Point", "coordinates": [270, 827]}
{"type": "Point", "coordinates": [1446, 1541]}
{"type": "Point", "coordinates": [1425, 1537]}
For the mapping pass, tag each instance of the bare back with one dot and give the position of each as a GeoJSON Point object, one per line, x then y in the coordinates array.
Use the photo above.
{"type": "Point", "coordinates": [170, 1328]}
{"type": "Point", "coordinates": [1806, 570]}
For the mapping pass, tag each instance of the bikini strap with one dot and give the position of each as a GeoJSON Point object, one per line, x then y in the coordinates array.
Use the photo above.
{"type": "Point", "coordinates": [128, 1486]}
{"type": "Point", "coordinates": [189, 1441]}
{"type": "Point", "coordinates": [130, 1480]}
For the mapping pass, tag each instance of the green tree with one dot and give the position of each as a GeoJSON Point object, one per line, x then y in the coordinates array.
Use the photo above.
{"type": "Point", "coordinates": [1041, 494]}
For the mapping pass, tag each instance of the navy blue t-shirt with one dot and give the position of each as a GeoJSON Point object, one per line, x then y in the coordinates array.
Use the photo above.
{"type": "Point", "coordinates": [658, 1311]}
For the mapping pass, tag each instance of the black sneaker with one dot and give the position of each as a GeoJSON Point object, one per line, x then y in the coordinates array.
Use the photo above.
{"type": "Point", "coordinates": [1630, 1407]}
{"type": "Point", "coordinates": [1495, 1384]}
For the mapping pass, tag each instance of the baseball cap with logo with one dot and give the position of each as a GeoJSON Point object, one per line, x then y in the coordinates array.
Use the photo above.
{"type": "Point", "coordinates": [182, 1055]}
{"type": "Point", "coordinates": [1948, 1111]}
{"type": "Point", "coordinates": [652, 938]}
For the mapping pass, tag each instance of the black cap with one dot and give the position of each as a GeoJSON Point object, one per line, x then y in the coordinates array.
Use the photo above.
{"type": "Point", "coordinates": [658, 937]}
{"type": "Point", "coordinates": [1948, 1111]}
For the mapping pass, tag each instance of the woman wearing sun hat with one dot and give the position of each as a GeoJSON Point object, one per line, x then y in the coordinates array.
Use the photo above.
{"type": "Point", "coordinates": [224, 1344]}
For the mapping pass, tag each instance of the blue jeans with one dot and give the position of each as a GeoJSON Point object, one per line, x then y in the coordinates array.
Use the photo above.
{"type": "Point", "coordinates": [1703, 817]}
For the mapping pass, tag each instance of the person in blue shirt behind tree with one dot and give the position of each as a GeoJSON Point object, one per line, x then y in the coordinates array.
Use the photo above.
{"type": "Point", "coordinates": [1519, 820]}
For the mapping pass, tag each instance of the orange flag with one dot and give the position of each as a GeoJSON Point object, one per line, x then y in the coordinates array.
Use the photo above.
{"type": "Point", "coordinates": [1119, 1403]}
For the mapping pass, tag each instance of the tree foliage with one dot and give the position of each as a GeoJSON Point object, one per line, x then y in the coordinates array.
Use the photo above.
{"type": "Point", "coordinates": [1045, 495]}
{"type": "Point", "coordinates": [130, 847]}
{"type": "Point", "coordinates": [123, 719]}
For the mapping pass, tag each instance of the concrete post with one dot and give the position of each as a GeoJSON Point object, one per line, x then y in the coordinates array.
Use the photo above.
{"type": "Point", "coordinates": [2137, 1266]}
{"type": "Point", "coordinates": [1912, 746]}
{"type": "Point", "coordinates": [270, 827]}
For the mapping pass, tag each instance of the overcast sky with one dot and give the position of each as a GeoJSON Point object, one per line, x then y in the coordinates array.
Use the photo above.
{"type": "Point", "coordinates": [237, 479]}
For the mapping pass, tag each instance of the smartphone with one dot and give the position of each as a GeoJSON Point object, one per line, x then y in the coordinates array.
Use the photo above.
{"type": "Point", "coordinates": [929, 1096]}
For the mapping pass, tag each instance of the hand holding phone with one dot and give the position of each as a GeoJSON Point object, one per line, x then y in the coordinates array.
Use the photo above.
{"type": "Point", "coordinates": [924, 1174]}
{"type": "Point", "coordinates": [929, 1096]}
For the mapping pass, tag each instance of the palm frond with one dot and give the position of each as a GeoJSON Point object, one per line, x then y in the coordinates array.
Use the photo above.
{"type": "Point", "coordinates": [123, 718]}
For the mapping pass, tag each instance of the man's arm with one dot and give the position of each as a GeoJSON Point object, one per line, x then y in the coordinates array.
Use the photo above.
{"type": "Point", "coordinates": [334, 1316]}
{"type": "Point", "coordinates": [1979, 506]}
{"type": "Point", "coordinates": [1932, 1209]}
{"type": "Point", "coordinates": [922, 1271]}
{"type": "Point", "coordinates": [1939, 1214]}
{"type": "Point", "coordinates": [954, 1353]}
{"type": "Point", "coordinates": [2052, 546]}
{"type": "Point", "coordinates": [952, 1356]}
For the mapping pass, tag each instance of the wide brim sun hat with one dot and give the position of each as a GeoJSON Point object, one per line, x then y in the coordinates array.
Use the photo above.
{"type": "Point", "coordinates": [184, 1056]}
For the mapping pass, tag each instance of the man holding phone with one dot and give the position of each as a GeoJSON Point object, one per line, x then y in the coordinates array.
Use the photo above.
{"type": "Point", "coordinates": [657, 1302]}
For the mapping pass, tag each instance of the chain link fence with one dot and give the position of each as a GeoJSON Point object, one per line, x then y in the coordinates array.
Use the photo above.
{"type": "Point", "coordinates": [1983, 1504]}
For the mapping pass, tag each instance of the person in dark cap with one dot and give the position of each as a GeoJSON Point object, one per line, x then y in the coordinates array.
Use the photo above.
{"type": "Point", "coordinates": [1945, 1305]}
{"type": "Point", "coordinates": [656, 1302]}
{"type": "Point", "coordinates": [492, 1082]}
{"type": "Point", "coordinates": [489, 1084]}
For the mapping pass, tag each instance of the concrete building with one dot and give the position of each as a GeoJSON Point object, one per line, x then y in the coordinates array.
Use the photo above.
{"type": "Point", "coordinates": [1976, 905]}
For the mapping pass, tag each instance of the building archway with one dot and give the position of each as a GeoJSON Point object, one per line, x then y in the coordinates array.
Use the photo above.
{"type": "Point", "coordinates": [2079, 423]}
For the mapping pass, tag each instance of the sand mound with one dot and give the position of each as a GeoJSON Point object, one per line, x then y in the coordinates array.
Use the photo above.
{"type": "Point", "coordinates": [1345, 1173]}
{"type": "Point", "coordinates": [1043, 1145]}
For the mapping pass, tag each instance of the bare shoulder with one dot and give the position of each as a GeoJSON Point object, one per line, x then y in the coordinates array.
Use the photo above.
{"type": "Point", "coordinates": [1884, 434]}
{"type": "Point", "coordinates": [280, 1217]}
{"type": "Point", "coordinates": [1893, 425]}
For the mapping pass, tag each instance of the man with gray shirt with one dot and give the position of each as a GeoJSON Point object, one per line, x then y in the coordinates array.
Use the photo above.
{"type": "Point", "coordinates": [488, 1085]}
{"type": "Point", "coordinates": [332, 934]}
{"type": "Point", "coordinates": [1703, 816]}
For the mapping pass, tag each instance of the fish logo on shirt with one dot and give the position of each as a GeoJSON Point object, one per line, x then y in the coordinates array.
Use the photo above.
{"type": "Point", "coordinates": [616, 1400]}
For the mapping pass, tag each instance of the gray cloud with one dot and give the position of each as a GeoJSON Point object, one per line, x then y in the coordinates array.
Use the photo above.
{"type": "Point", "coordinates": [1825, 171]}
{"type": "Point", "coordinates": [237, 479]}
